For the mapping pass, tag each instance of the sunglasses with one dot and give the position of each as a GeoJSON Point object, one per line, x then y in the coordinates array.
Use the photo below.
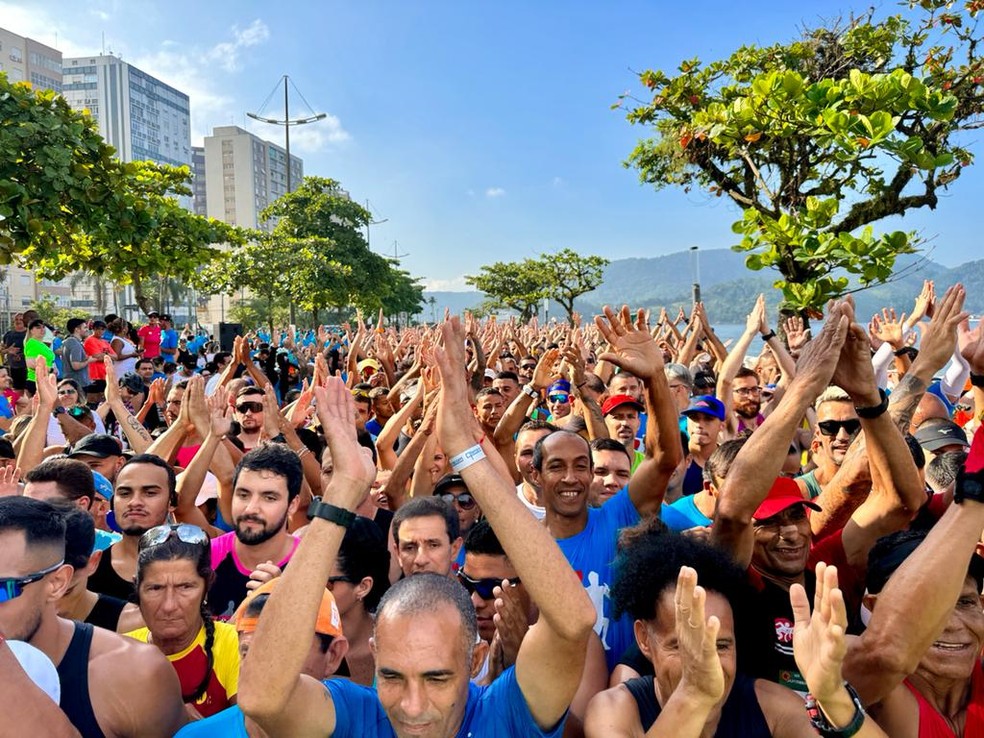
{"type": "Point", "coordinates": [464, 500]}
{"type": "Point", "coordinates": [831, 428]}
{"type": "Point", "coordinates": [483, 587]}
{"type": "Point", "coordinates": [560, 398]}
{"type": "Point", "coordinates": [249, 407]}
{"type": "Point", "coordinates": [527, 367]}
{"type": "Point", "coordinates": [13, 587]}
{"type": "Point", "coordinates": [162, 534]}
{"type": "Point", "coordinates": [333, 580]}
{"type": "Point", "coordinates": [67, 391]}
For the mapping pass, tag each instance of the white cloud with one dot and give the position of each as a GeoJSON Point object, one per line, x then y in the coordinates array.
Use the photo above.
{"type": "Point", "coordinates": [495, 192]}
{"type": "Point", "coordinates": [227, 53]}
{"type": "Point", "coordinates": [455, 284]}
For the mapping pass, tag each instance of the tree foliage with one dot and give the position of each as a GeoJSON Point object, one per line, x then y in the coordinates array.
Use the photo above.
{"type": "Point", "coordinates": [521, 285]}
{"type": "Point", "coordinates": [818, 139]}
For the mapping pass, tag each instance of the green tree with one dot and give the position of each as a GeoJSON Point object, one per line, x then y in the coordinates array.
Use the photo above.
{"type": "Point", "coordinates": [52, 313]}
{"type": "Point", "coordinates": [516, 285]}
{"type": "Point", "coordinates": [818, 139]}
{"type": "Point", "coordinates": [567, 275]}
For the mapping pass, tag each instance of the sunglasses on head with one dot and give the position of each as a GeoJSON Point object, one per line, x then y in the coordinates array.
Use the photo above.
{"type": "Point", "coordinates": [483, 587]}
{"type": "Point", "coordinates": [251, 407]}
{"type": "Point", "coordinates": [831, 428]}
{"type": "Point", "coordinates": [560, 397]}
{"type": "Point", "coordinates": [162, 534]}
{"type": "Point", "coordinates": [463, 500]}
{"type": "Point", "coordinates": [13, 587]}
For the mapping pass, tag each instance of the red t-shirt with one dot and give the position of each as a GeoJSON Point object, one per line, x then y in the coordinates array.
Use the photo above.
{"type": "Point", "coordinates": [95, 345]}
{"type": "Point", "coordinates": [151, 335]}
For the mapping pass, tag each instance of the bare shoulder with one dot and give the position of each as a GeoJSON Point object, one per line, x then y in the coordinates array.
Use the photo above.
{"type": "Point", "coordinates": [612, 713]}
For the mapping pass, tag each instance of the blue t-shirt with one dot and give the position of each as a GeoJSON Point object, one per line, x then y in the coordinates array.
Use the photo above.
{"type": "Point", "coordinates": [169, 343]}
{"type": "Point", "coordinates": [105, 539]}
{"type": "Point", "coordinates": [683, 514]}
{"type": "Point", "coordinates": [497, 710]}
{"type": "Point", "coordinates": [591, 553]}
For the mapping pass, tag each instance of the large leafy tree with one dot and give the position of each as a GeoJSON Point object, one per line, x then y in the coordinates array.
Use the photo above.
{"type": "Point", "coordinates": [567, 275]}
{"type": "Point", "coordinates": [819, 139]}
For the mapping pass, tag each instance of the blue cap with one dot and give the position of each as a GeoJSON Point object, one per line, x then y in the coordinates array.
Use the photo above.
{"type": "Point", "coordinates": [104, 488]}
{"type": "Point", "coordinates": [560, 385]}
{"type": "Point", "coordinates": [708, 405]}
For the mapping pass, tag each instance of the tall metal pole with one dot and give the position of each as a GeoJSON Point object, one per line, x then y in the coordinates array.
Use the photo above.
{"type": "Point", "coordinates": [695, 268]}
{"type": "Point", "coordinates": [287, 131]}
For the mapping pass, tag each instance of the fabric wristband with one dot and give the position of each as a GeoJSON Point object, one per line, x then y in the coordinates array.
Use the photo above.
{"type": "Point", "coordinates": [466, 458]}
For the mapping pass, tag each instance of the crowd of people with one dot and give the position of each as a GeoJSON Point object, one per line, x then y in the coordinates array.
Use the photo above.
{"type": "Point", "coordinates": [620, 527]}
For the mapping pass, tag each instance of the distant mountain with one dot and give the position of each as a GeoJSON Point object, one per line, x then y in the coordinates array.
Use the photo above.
{"type": "Point", "coordinates": [728, 289]}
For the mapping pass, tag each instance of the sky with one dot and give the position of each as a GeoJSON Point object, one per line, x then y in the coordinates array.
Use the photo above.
{"type": "Point", "coordinates": [478, 132]}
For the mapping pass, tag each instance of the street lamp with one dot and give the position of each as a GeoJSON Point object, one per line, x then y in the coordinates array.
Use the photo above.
{"type": "Point", "coordinates": [287, 123]}
{"type": "Point", "coordinates": [695, 271]}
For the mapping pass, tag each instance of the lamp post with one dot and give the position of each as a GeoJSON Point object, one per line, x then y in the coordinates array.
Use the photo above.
{"type": "Point", "coordinates": [695, 271]}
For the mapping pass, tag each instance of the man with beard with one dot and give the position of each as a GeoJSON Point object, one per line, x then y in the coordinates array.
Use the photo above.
{"type": "Point", "coordinates": [144, 495]}
{"type": "Point", "coordinates": [249, 415]}
{"type": "Point", "coordinates": [95, 666]}
{"type": "Point", "coordinates": [265, 495]}
{"type": "Point", "coordinates": [746, 400]}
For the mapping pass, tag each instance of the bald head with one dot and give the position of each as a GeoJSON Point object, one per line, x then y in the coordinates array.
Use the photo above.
{"type": "Point", "coordinates": [930, 406]}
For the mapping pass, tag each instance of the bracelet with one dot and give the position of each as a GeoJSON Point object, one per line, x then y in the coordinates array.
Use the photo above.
{"type": "Point", "coordinates": [976, 380]}
{"type": "Point", "coordinates": [530, 391]}
{"type": "Point", "coordinates": [303, 450]}
{"type": "Point", "coordinates": [824, 727]}
{"type": "Point", "coordinates": [870, 413]}
{"type": "Point", "coordinates": [769, 335]}
{"type": "Point", "coordinates": [466, 458]}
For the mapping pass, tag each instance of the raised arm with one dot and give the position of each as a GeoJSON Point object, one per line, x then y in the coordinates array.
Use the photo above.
{"type": "Point", "coordinates": [31, 451]}
{"type": "Point", "coordinates": [757, 465]}
{"type": "Point", "coordinates": [731, 365]}
{"type": "Point", "coordinates": [136, 435]}
{"type": "Point", "coordinates": [635, 351]}
{"type": "Point", "coordinates": [551, 657]}
{"type": "Point", "coordinates": [272, 690]}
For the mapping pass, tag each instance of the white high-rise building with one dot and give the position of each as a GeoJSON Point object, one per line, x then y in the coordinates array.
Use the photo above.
{"type": "Point", "coordinates": [244, 174]}
{"type": "Point", "coordinates": [142, 117]}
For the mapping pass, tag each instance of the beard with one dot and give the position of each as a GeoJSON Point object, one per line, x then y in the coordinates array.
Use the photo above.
{"type": "Point", "coordinates": [748, 410]}
{"type": "Point", "coordinates": [255, 538]}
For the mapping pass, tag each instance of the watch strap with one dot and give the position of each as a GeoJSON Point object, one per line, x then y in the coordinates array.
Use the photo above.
{"type": "Point", "coordinates": [870, 413]}
{"type": "Point", "coordinates": [332, 513]}
{"type": "Point", "coordinates": [769, 335]}
{"type": "Point", "coordinates": [823, 726]}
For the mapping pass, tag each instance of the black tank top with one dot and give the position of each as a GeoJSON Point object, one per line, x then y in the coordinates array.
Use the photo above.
{"type": "Point", "coordinates": [741, 716]}
{"type": "Point", "coordinates": [106, 581]}
{"type": "Point", "coordinates": [73, 672]}
{"type": "Point", "coordinates": [106, 613]}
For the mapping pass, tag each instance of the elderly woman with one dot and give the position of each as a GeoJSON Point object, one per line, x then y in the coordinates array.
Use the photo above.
{"type": "Point", "coordinates": [174, 573]}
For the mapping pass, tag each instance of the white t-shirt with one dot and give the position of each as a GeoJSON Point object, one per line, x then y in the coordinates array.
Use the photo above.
{"type": "Point", "coordinates": [538, 512]}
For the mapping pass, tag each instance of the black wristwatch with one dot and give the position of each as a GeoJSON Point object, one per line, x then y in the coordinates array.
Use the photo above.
{"type": "Point", "coordinates": [332, 513]}
{"type": "Point", "coordinates": [59, 411]}
{"type": "Point", "coordinates": [870, 413]}
{"type": "Point", "coordinates": [823, 726]}
{"type": "Point", "coordinates": [767, 336]}
{"type": "Point", "coordinates": [969, 486]}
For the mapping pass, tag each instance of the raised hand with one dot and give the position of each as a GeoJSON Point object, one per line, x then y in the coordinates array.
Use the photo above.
{"type": "Point", "coordinates": [820, 639]}
{"type": "Point", "coordinates": [854, 373]}
{"type": "Point", "coordinates": [633, 349]}
{"type": "Point", "coordinates": [888, 329]}
{"type": "Point", "coordinates": [112, 383]}
{"type": "Point", "coordinates": [972, 346]}
{"type": "Point", "coordinates": [925, 303]}
{"type": "Point", "coordinates": [511, 621]}
{"type": "Point", "coordinates": [354, 471]}
{"type": "Point", "coordinates": [272, 419]}
{"type": "Point", "coordinates": [155, 395]}
{"type": "Point", "coordinates": [219, 413]}
{"type": "Point", "coordinates": [755, 321]}
{"type": "Point", "coordinates": [47, 384]}
{"type": "Point", "coordinates": [10, 481]}
{"type": "Point", "coordinates": [820, 356]}
{"type": "Point", "coordinates": [940, 336]}
{"type": "Point", "coordinates": [545, 370]}
{"type": "Point", "coordinates": [703, 676]}
{"type": "Point", "coordinates": [796, 335]}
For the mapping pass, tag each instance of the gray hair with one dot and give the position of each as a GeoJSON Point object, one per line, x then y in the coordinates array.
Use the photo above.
{"type": "Point", "coordinates": [833, 393]}
{"type": "Point", "coordinates": [423, 593]}
{"type": "Point", "coordinates": [679, 373]}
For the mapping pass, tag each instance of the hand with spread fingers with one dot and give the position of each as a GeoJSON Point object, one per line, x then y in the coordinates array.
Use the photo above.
{"type": "Point", "coordinates": [820, 637]}
{"type": "Point", "coordinates": [633, 348]}
{"type": "Point", "coordinates": [703, 675]}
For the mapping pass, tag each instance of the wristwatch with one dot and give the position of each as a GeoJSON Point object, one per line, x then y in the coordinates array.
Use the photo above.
{"type": "Point", "coordinates": [823, 726]}
{"type": "Point", "coordinates": [767, 336]}
{"type": "Point", "coordinates": [332, 513]}
{"type": "Point", "coordinates": [530, 391]}
{"type": "Point", "coordinates": [969, 486]}
{"type": "Point", "coordinates": [59, 411]}
{"type": "Point", "coordinates": [870, 413]}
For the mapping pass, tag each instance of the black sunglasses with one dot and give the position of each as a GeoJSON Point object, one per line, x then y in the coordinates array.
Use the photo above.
{"type": "Point", "coordinates": [162, 533]}
{"type": "Point", "coordinates": [831, 428]}
{"type": "Point", "coordinates": [333, 580]}
{"type": "Point", "coordinates": [13, 587]}
{"type": "Point", "coordinates": [483, 587]}
{"type": "Point", "coordinates": [465, 500]}
{"type": "Point", "coordinates": [254, 407]}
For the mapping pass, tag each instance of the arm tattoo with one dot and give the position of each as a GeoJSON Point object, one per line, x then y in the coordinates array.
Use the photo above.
{"type": "Point", "coordinates": [137, 427]}
{"type": "Point", "coordinates": [904, 401]}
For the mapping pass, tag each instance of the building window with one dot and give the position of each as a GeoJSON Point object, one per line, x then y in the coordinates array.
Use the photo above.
{"type": "Point", "coordinates": [15, 54]}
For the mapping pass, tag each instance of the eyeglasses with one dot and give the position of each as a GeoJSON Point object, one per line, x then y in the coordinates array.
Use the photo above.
{"type": "Point", "coordinates": [465, 500]}
{"type": "Point", "coordinates": [559, 398]}
{"type": "Point", "coordinates": [333, 580]}
{"type": "Point", "coordinates": [831, 428]}
{"type": "Point", "coordinates": [13, 587]}
{"type": "Point", "coordinates": [483, 587]}
{"type": "Point", "coordinates": [249, 407]}
{"type": "Point", "coordinates": [679, 386]}
{"type": "Point", "coordinates": [745, 391]}
{"type": "Point", "coordinates": [527, 367]}
{"type": "Point", "coordinates": [162, 534]}
{"type": "Point", "coordinates": [67, 391]}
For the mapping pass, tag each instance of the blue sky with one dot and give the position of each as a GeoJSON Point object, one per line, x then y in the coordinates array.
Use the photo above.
{"type": "Point", "coordinates": [480, 131]}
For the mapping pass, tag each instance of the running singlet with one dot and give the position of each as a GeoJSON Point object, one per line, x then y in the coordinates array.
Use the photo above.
{"type": "Point", "coordinates": [229, 587]}
{"type": "Point", "coordinates": [932, 724]}
{"type": "Point", "coordinates": [190, 665]}
{"type": "Point", "coordinates": [741, 715]}
{"type": "Point", "coordinates": [73, 673]}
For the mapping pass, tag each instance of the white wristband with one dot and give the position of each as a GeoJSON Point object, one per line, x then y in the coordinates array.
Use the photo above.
{"type": "Point", "coordinates": [466, 458]}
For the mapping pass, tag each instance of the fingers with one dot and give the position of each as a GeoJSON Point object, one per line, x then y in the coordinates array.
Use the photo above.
{"type": "Point", "coordinates": [801, 605]}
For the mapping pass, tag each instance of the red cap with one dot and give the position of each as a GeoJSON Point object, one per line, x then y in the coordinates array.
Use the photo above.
{"type": "Point", "coordinates": [618, 400]}
{"type": "Point", "coordinates": [783, 494]}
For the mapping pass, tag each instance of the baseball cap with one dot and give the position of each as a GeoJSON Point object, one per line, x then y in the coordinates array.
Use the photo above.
{"type": "Point", "coordinates": [329, 620]}
{"type": "Point", "coordinates": [707, 404]}
{"type": "Point", "coordinates": [934, 436]}
{"type": "Point", "coordinates": [783, 494]}
{"type": "Point", "coordinates": [132, 382]}
{"type": "Point", "coordinates": [490, 373]}
{"type": "Point", "coordinates": [104, 488]}
{"type": "Point", "coordinates": [449, 481]}
{"type": "Point", "coordinates": [368, 364]}
{"type": "Point", "coordinates": [618, 400]}
{"type": "Point", "coordinates": [99, 445]}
